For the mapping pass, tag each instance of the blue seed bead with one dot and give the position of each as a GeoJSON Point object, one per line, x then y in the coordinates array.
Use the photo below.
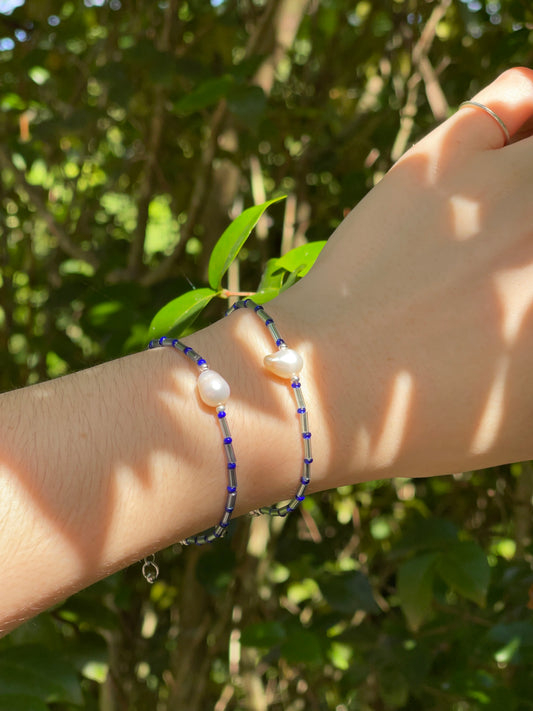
{"type": "Point", "coordinates": [232, 465]}
{"type": "Point", "coordinates": [280, 342]}
{"type": "Point", "coordinates": [269, 321]}
{"type": "Point", "coordinates": [305, 480]}
{"type": "Point", "coordinates": [229, 509]}
{"type": "Point", "coordinates": [258, 308]}
{"type": "Point", "coordinates": [151, 344]}
{"type": "Point", "coordinates": [187, 349]}
{"type": "Point", "coordinates": [300, 498]}
{"type": "Point", "coordinates": [221, 414]}
{"type": "Point", "coordinates": [228, 440]}
{"type": "Point", "coordinates": [296, 385]}
{"type": "Point", "coordinates": [162, 341]}
{"type": "Point", "coordinates": [223, 525]}
{"type": "Point", "coordinates": [231, 489]}
{"type": "Point", "coordinates": [308, 461]}
{"type": "Point", "coordinates": [306, 435]}
{"type": "Point", "coordinates": [201, 361]}
{"type": "Point", "coordinates": [301, 410]}
{"type": "Point", "coordinates": [175, 343]}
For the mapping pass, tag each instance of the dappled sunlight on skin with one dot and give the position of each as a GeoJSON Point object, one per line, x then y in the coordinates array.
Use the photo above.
{"type": "Point", "coordinates": [345, 290]}
{"type": "Point", "coordinates": [429, 281]}
{"type": "Point", "coordinates": [466, 217]}
{"type": "Point", "coordinates": [514, 287]}
{"type": "Point", "coordinates": [111, 482]}
{"type": "Point", "coordinates": [492, 415]}
{"type": "Point", "coordinates": [395, 419]}
{"type": "Point", "coordinates": [273, 400]}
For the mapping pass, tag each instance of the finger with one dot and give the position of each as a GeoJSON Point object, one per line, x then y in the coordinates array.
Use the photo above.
{"type": "Point", "coordinates": [525, 131]}
{"type": "Point", "coordinates": [510, 97]}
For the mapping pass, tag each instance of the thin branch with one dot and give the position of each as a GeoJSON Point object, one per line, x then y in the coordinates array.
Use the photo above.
{"type": "Point", "coordinates": [37, 197]}
{"type": "Point", "coordinates": [136, 252]}
{"type": "Point", "coordinates": [199, 191]}
{"type": "Point", "coordinates": [423, 72]}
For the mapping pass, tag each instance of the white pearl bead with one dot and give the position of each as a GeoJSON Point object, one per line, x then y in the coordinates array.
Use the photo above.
{"type": "Point", "coordinates": [285, 363]}
{"type": "Point", "coordinates": [213, 389]}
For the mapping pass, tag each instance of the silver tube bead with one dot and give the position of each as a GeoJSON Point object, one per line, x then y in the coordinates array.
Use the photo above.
{"type": "Point", "coordinates": [301, 490]}
{"type": "Point", "coordinates": [230, 454]}
{"type": "Point", "coordinates": [276, 335]}
{"type": "Point", "coordinates": [224, 427]}
{"type": "Point", "coordinates": [304, 422]}
{"type": "Point", "coordinates": [307, 449]}
{"type": "Point", "coordinates": [299, 397]}
{"type": "Point", "coordinates": [232, 478]}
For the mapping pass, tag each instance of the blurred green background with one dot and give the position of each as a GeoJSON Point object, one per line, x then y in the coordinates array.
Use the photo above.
{"type": "Point", "coordinates": [132, 131]}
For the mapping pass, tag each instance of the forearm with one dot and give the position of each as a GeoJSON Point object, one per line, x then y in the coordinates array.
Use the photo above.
{"type": "Point", "coordinates": [104, 466]}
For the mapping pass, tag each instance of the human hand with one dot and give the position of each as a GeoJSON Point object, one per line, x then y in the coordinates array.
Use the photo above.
{"type": "Point", "coordinates": [417, 320]}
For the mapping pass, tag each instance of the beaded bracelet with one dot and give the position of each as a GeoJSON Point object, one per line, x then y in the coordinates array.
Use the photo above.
{"type": "Point", "coordinates": [214, 391]}
{"type": "Point", "coordinates": [286, 363]}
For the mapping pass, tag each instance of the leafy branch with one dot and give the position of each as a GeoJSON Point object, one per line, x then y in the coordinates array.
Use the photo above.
{"type": "Point", "coordinates": [279, 274]}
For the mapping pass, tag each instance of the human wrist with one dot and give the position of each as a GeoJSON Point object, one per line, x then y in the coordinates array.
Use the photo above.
{"type": "Point", "coordinates": [267, 435]}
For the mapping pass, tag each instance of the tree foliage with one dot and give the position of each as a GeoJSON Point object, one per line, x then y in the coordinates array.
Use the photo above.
{"type": "Point", "coordinates": [133, 131]}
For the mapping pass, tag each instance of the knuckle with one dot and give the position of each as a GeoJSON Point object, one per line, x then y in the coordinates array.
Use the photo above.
{"type": "Point", "coordinates": [518, 76]}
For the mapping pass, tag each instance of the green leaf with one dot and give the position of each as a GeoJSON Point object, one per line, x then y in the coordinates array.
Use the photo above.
{"type": "Point", "coordinates": [302, 647]}
{"type": "Point", "coordinates": [214, 569]}
{"type": "Point", "coordinates": [232, 240]}
{"type": "Point", "coordinates": [206, 94]}
{"type": "Point", "coordinates": [105, 313]}
{"type": "Point", "coordinates": [248, 103]}
{"type": "Point", "coordinates": [349, 592]}
{"type": "Point", "coordinates": [180, 312]}
{"type": "Point", "coordinates": [263, 634]}
{"type": "Point", "coordinates": [261, 297]}
{"type": "Point", "coordinates": [12, 102]}
{"type": "Point", "coordinates": [89, 610]}
{"type": "Point", "coordinates": [271, 282]}
{"type": "Point", "coordinates": [301, 258]}
{"type": "Point", "coordinates": [393, 688]}
{"type": "Point", "coordinates": [415, 588]}
{"type": "Point", "coordinates": [272, 277]}
{"type": "Point", "coordinates": [464, 567]}
{"type": "Point", "coordinates": [506, 632]}
{"type": "Point", "coordinates": [428, 533]}
{"type": "Point", "coordinates": [30, 669]}
{"type": "Point", "coordinates": [293, 277]}
{"type": "Point", "coordinates": [22, 702]}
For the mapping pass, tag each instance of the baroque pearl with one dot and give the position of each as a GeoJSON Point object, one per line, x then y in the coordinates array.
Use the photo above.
{"type": "Point", "coordinates": [286, 363]}
{"type": "Point", "coordinates": [213, 389]}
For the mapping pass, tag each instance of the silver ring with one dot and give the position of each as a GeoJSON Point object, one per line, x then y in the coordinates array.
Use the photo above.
{"type": "Point", "coordinates": [492, 114]}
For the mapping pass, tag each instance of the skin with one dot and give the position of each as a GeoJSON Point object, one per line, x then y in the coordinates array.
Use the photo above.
{"type": "Point", "coordinates": [415, 326]}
